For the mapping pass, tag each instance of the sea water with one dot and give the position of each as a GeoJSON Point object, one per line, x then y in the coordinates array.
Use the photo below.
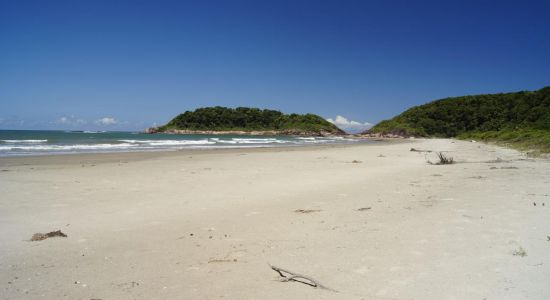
{"type": "Point", "coordinates": [38, 142]}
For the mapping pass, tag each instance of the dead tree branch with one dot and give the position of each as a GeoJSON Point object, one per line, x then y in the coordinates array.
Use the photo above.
{"type": "Point", "coordinates": [419, 150]}
{"type": "Point", "coordinates": [291, 276]}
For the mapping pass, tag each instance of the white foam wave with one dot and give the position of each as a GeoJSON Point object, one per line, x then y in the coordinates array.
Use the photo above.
{"type": "Point", "coordinates": [209, 141]}
{"type": "Point", "coordinates": [40, 146]}
{"type": "Point", "coordinates": [24, 141]}
{"type": "Point", "coordinates": [67, 147]}
{"type": "Point", "coordinates": [255, 139]}
{"type": "Point", "coordinates": [169, 142]}
{"type": "Point", "coordinates": [181, 143]}
{"type": "Point", "coordinates": [260, 141]}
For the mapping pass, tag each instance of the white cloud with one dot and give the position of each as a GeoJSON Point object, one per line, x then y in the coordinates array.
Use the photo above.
{"type": "Point", "coordinates": [106, 121]}
{"type": "Point", "coordinates": [349, 125]}
{"type": "Point", "coordinates": [70, 120]}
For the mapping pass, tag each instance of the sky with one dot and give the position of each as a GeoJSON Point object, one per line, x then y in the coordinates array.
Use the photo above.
{"type": "Point", "coordinates": [128, 65]}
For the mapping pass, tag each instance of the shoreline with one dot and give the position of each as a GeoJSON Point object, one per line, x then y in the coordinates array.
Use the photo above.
{"type": "Point", "coordinates": [140, 155]}
{"type": "Point", "coordinates": [36, 143]}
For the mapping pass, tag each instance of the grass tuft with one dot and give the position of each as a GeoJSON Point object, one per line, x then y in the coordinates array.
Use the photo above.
{"type": "Point", "coordinates": [444, 160]}
{"type": "Point", "coordinates": [520, 252]}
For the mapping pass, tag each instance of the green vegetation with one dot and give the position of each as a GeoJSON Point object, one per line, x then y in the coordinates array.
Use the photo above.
{"type": "Point", "coordinates": [523, 139]}
{"type": "Point", "coordinates": [519, 252]}
{"type": "Point", "coordinates": [521, 119]}
{"type": "Point", "coordinates": [249, 119]}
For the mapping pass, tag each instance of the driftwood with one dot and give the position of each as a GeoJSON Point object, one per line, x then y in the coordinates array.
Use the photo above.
{"type": "Point", "coordinates": [42, 236]}
{"type": "Point", "coordinates": [291, 276]}
{"type": "Point", "coordinates": [306, 211]}
{"type": "Point", "coordinates": [419, 150]}
{"type": "Point", "coordinates": [364, 208]}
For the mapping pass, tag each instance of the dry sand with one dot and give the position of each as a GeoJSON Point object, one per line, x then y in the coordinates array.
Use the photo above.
{"type": "Point", "coordinates": [205, 225]}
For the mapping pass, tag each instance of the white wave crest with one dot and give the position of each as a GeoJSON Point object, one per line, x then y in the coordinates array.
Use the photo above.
{"type": "Point", "coordinates": [67, 147]}
{"type": "Point", "coordinates": [260, 141]}
{"type": "Point", "coordinates": [24, 141]}
{"type": "Point", "coordinates": [255, 139]}
{"type": "Point", "coordinates": [169, 142]}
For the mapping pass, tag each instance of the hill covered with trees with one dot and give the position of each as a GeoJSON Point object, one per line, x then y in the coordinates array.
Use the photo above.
{"type": "Point", "coordinates": [520, 118]}
{"type": "Point", "coordinates": [248, 120]}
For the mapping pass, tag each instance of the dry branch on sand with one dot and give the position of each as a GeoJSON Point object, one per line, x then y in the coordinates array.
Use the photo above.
{"type": "Point", "coordinates": [418, 150]}
{"type": "Point", "coordinates": [306, 211]}
{"type": "Point", "coordinates": [291, 276]}
{"type": "Point", "coordinates": [364, 208]}
{"type": "Point", "coordinates": [42, 236]}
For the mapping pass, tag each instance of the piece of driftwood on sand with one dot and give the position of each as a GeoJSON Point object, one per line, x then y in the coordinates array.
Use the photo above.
{"type": "Point", "coordinates": [42, 236]}
{"type": "Point", "coordinates": [291, 276]}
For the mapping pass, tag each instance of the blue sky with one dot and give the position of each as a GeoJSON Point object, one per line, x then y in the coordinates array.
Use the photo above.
{"type": "Point", "coordinates": [126, 65]}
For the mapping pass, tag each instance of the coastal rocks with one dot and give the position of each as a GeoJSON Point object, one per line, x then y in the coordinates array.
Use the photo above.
{"type": "Point", "coordinates": [151, 130]}
{"type": "Point", "coordinates": [392, 133]}
{"type": "Point", "coordinates": [381, 135]}
{"type": "Point", "coordinates": [386, 135]}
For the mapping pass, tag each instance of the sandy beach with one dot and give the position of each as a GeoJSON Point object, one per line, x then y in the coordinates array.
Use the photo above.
{"type": "Point", "coordinates": [371, 221]}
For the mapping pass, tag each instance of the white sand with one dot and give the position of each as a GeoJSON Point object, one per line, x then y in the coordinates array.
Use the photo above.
{"type": "Point", "coordinates": [205, 225]}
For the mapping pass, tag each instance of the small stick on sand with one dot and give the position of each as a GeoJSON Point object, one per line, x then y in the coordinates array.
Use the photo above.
{"type": "Point", "coordinates": [419, 150]}
{"type": "Point", "coordinates": [307, 211]}
{"type": "Point", "coordinates": [291, 276]}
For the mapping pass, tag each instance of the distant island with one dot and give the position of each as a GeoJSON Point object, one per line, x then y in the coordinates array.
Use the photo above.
{"type": "Point", "coordinates": [245, 120]}
{"type": "Point", "coordinates": [521, 119]}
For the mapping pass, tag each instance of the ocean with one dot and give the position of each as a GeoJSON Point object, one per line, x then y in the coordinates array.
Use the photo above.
{"type": "Point", "coordinates": [38, 142]}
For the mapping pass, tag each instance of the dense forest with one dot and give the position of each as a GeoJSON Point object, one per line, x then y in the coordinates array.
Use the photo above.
{"type": "Point", "coordinates": [249, 119]}
{"type": "Point", "coordinates": [522, 118]}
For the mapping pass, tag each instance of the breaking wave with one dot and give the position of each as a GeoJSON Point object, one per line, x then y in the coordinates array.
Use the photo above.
{"type": "Point", "coordinates": [24, 141]}
{"type": "Point", "coordinates": [103, 142]}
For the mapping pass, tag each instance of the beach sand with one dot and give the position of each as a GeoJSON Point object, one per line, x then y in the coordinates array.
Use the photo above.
{"type": "Point", "coordinates": [207, 224]}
